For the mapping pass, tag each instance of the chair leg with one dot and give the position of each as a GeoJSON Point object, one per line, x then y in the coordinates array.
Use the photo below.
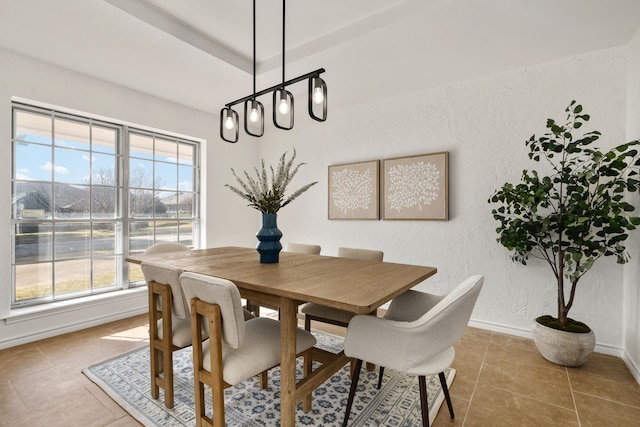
{"type": "Point", "coordinates": [264, 380]}
{"type": "Point", "coordinates": [153, 336]}
{"type": "Point", "coordinates": [424, 403]}
{"type": "Point", "coordinates": [253, 308]}
{"type": "Point", "coordinates": [445, 389]}
{"type": "Point", "coordinates": [167, 347]}
{"type": "Point", "coordinates": [352, 391]}
{"type": "Point", "coordinates": [380, 376]}
{"type": "Point", "coordinates": [161, 351]}
{"type": "Point", "coordinates": [307, 324]}
{"type": "Point", "coordinates": [307, 370]}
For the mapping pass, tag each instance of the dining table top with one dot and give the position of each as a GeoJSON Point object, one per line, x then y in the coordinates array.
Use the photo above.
{"type": "Point", "coordinates": [355, 285]}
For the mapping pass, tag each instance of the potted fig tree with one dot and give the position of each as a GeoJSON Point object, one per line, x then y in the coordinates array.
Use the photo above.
{"type": "Point", "coordinates": [569, 215]}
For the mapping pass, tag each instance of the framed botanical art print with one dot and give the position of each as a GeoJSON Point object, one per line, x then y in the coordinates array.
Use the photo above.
{"type": "Point", "coordinates": [354, 191]}
{"type": "Point", "coordinates": [416, 187]}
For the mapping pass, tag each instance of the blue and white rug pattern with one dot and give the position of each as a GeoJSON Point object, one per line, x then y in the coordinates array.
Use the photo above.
{"type": "Point", "coordinates": [126, 380]}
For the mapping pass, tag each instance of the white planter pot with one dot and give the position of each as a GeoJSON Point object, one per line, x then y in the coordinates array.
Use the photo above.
{"type": "Point", "coordinates": [563, 348]}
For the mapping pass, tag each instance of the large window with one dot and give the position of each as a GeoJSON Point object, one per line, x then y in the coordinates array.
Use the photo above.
{"type": "Point", "coordinates": [85, 193]}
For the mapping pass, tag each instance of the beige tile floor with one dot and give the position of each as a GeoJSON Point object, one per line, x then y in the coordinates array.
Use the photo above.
{"type": "Point", "coordinates": [501, 381]}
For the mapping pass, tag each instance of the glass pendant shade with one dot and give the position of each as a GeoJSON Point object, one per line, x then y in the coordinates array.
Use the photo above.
{"type": "Point", "coordinates": [283, 109]}
{"type": "Point", "coordinates": [317, 99]}
{"type": "Point", "coordinates": [253, 117]}
{"type": "Point", "coordinates": [229, 125]}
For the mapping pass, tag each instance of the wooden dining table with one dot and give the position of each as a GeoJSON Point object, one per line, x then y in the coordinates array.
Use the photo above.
{"type": "Point", "coordinates": [355, 285]}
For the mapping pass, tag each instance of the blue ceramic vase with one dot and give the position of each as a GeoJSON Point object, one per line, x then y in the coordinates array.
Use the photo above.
{"type": "Point", "coordinates": [269, 235]}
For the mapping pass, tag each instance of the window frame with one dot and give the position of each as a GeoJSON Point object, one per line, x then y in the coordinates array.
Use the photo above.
{"type": "Point", "coordinates": [121, 220]}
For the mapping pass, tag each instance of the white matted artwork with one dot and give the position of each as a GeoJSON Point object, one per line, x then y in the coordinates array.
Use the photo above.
{"type": "Point", "coordinates": [354, 190]}
{"type": "Point", "coordinates": [416, 187]}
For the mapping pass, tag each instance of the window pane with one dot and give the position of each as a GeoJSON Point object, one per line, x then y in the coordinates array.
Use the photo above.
{"type": "Point", "coordinates": [104, 139]}
{"type": "Point", "coordinates": [159, 207]}
{"type": "Point", "coordinates": [166, 204]}
{"type": "Point", "coordinates": [140, 203]}
{"type": "Point", "coordinates": [135, 273]}
{"type": "Point", "coordinates": [166, 176]}
{"type": "Point", "coordinates": [104, 202]}
{"type": "Point", "coordinates": [140, 235]}
{"type": "Point", "coordinates": [31, 200]}
{"type": "Point", "coordinates": [186, 154]}
{"type": "Point", "coordinates": [71, 166]}
{"type": "Point", "coordinates": [73, 240]}
{"type": "Point", "coordinates": [71, 201]}
{"type": "Point", "coordinates": [73, 276]}
{"type": "Point", "coordinates": [104, 239]}
{"type": "Point", "coordinates": [166, 231]}
{"type": "Point", "coordinates": [33, 162]}
{"type": "Point", "coordinates": [186, 233]}
{"type": "Point", "coordinates": [34, 281]}
{"type": "Point", "coordinates": [33, 242]}
{"type": "Point", "coordinates": [104, 272]}
{"type": "Point", "coordinates": [185, 205]}
{"type": "Point", "coordinates": [166, 150]}
{"type": "Point", "coordinates": [140, 146]}
{"type": "Point", "coordinates": [103, 169]}
{"type": "Point", "coordinates": [71, 134]}
{"type": "Point", "coordinates": [185, 178]}
{"type": "Point", "coordinates": [32, 127]}
{"type": "Point", "coordinates": [140, 173]}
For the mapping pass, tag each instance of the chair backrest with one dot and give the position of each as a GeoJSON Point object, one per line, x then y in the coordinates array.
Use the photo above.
{"type": "Point", "coordinates": [411, 305]}
{"type": "Point", "coordinates": [222, 292]}
{"type": "Point", "coordinates": [443, 325]}
{"type": "Point", "coordinates": [161, 247]}
{"type": "Point", "coordinates": [167, 275]}
{"type": "Point", "coordinates": [302, 248]}
{"type": "Point", "coordinates": [355, 253]}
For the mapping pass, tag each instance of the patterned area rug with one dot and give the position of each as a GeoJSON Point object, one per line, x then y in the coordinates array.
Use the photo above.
{"type": "Point", "coordinates": [126, 380]}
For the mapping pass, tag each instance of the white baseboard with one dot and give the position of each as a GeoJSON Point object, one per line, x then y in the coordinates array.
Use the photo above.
{"type": "Point", "coordinates": [36, 323]}
{"type": "Point", "coordinates": [633, 367]}
{"type": "Point", "coordinates": [40, 335]}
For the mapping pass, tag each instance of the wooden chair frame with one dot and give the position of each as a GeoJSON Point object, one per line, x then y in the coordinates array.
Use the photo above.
{"type": "Point", "coordinates": [214, 379]}
{"type": "Point", "coordinates": [161, 350]}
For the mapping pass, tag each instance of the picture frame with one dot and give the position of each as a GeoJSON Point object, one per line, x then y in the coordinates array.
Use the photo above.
{"type": "Point", "coordinates": [416, 187]}
{"type": "Point", "coordinates": [354, 190]}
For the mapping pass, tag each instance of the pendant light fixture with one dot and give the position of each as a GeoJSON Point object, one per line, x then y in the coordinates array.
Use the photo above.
{"type": "Point", "coordinates": [253, 109]}
{"type": "Point", "coordinates": [283, 106]}
{"type": "Point", "coordinates": [317, 98]}
{"type": "Point", "coordinates": [229, 125]}
{"type": "Point", "coordinates": [282, 98]}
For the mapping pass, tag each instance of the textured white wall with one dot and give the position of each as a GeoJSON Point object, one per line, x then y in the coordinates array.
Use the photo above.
{"type": "Point", "coordinates": [483, 123]}
{"type": "Point", "coordinates": [27, 78]}
{"type": "Point", "coordinates": [632, 270]}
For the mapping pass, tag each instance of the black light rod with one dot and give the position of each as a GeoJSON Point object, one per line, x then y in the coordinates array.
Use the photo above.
{"type": "Point", "coordinates": [278, 86]}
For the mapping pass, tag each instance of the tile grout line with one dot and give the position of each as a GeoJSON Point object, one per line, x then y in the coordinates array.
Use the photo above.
{"type": "Point", "coordinates": [573, 397]}
{"type": "Point", "coordinates": [475, 386]}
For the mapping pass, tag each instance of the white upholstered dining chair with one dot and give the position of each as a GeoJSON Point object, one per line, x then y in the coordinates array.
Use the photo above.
{"type": "Point", "coordinates": [407, 307]}
{"type": "Point", "coordinates": [161, 247]}
{"type": "Point", "coordinates": [236, 350]}
{"type": "Point", "coordinates": [335, 316]}
{"type": "Point", "coordinates": [302, 248]}
{"type": "Point", "coordinates": [420, 347]}
{"type": "Point", "coordinates": [169, 325]}
{"type": "Point", "coordinates": [174, 310]}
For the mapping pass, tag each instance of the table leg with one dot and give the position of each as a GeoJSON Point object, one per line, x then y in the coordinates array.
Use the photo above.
{"type": "Point", "coordinates": [288, 324]}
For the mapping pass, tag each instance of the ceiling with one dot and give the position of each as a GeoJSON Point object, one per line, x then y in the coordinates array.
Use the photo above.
{"type": "Point", "coordinates": [199, 52]}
